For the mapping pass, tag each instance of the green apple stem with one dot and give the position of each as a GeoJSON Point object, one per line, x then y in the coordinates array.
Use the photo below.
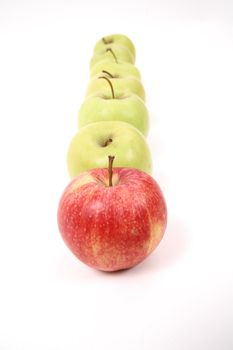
{"type": "Point", "coordinates": [102, 77]}
{"type": "Point", "coordinates": [107, 41]}
{"type": "Point", "coordinates": [109, 74]}
{"type": "Point", "coordinates": [110, 162]}
{"type": "Point", "coordinates": [109, 49]}
{"type": "Point", "coordinates": [107, 142]}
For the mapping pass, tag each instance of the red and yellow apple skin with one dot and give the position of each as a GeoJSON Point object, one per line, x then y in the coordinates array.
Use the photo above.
{"type": "Point", "coordinates": [112, 228]}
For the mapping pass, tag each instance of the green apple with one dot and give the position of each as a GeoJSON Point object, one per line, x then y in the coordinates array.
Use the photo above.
{"type": "Point", "coordinates": [115, 39]}
{"type": "Point", "coordinates": [125, 107]}
{"type": "Point", "coordinates": [92, 145]}
{"type": "Point", "coordinates": [115, 53]}
{"type": "Point", "coordinates": [121, 85]}
{"type": "Point", "coordinates": [117, 69]}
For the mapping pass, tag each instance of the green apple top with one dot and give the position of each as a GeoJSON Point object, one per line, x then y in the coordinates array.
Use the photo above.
{"type": "Point", "coordinates": [115, 53]}
{"type": "Point", "coordinates": [92, 144]}
{"type": "Point", "coordinates": [126, 107]}
{"type": "Point", "coordinates": [118, 39]}
{"type": "Point", "coordinates": [117, 69]}
{"type": "Point", "coordinates": [121, 85]}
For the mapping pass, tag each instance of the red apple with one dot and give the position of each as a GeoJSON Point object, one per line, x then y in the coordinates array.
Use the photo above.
{"type": "Point", "coordinates": [112, 219]}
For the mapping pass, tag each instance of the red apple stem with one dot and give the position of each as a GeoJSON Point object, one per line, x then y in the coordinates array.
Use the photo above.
{"type": "Point", "coordinates": [109, 74]}
{"type": "Point", "coordinates": [110, 162]}
{"type": "Point", "coordinates": [109, 49]}
{"type": "Point", "coordinates": [102, 77]}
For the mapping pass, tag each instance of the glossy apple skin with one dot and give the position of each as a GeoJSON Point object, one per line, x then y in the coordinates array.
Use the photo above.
{"type": "Point", "coordinates": [130, 110]}
{"type": "Point", "coordinates": [122, 86]}
{"type": "Point", "coordinates": [112, 39]}
{"type": "Point", "coordinates": [122, 54]}
{"type": "Point", "coordinates": [117, 69]}
{"type": "Point", "coordinates": [112, 228]}
{"type": "Point", "coordinates": [87, 151]}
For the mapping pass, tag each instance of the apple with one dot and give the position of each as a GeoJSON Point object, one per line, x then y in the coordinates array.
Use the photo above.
{"type": "Point", "coordinates": [121, 85]}
{"type": "Point", "coordinates": [126, 107]}
{"type": "Point", "coordinates": [119, 39]}
{"type": "Point", "coordinates": [91, 145]}
{"type": "Point", "coordinates": [115, 53]}
{"type": "Point", "coordinates": [120, 69]}
{"type": "Point", "coordinates": [112, 219]}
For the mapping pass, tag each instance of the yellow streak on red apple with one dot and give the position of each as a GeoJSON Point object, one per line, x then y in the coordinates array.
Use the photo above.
{"type": "Point", "coordinates": [157, 233]}
{"type": "Point", "coordinates": [106, 259]}
{"type": "Point", "coordinates": [112, 255]}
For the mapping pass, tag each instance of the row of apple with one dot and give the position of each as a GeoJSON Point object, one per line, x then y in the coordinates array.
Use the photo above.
{"type": "Point", "coordinates": [113, 117]}
{"type": "Point", "coordinates": [112, 217]}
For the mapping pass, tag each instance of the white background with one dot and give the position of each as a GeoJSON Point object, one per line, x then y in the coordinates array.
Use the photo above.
{"type": "Point", "coordinates": [181, 297]}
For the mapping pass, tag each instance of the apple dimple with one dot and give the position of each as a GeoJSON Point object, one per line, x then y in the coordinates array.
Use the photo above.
{"type": "Point", "coordinates": [105, 97]}
{"type": "Point", "coordinates": [122, 97]}
{"type": "Point", "coordinates": [111, 76]}
{"type": "Point", "coordinates": [105, 183]}
{"type": "Point", "coordinates": [118, 96]}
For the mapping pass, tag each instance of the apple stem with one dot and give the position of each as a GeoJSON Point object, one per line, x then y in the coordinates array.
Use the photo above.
{"type": "Point", "coordinates": [107, 142]}
{"type": "Point", "coordinates": [110, 162]}
{"type": "Point", "coordinates": [102, 77]}
{"type": "Point", "coordinates": [107, 41]}
{"type": "Point", "coordinates": [109, 74]}
{"type": "Point", "coordinates": [109, 49]}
